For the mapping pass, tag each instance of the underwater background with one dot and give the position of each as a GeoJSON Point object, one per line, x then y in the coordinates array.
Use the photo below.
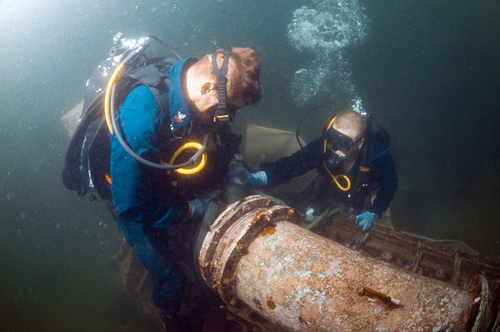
{"type": "Point", "coordinates": [433, 67]}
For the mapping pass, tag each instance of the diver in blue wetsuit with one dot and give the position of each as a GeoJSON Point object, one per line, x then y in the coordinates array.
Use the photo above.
{"type": "Point", "coordinates": [150, 201]}
{"type": "Point", "coordinates": [353, 163]}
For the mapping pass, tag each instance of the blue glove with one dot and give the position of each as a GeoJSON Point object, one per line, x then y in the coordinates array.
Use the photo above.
{"type": "Point", "coordinates": [200, 205]}
{"type": "Point", "coordinates": [259, 179]}
{"type": "Point", "coordinates": [240, 175]}
{"type": "Point", "coordinates": [365, 220]}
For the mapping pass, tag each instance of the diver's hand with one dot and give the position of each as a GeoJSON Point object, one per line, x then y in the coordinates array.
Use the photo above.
{"type": "Point", "coordinates": [198, 206]}
{"type": "Point", "coordinates": [259, 179]}
{"type": "Point", "coordinates": [240, 175]}
{"type": "Point", "coordinates": [365, 220]}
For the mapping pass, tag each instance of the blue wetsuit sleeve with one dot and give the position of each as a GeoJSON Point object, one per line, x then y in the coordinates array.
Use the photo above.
{"type": "Point", "coordinates": [299, 163]}
{"type": "Point", "coordinates": [386, 171]}
{"type": "Point", "coordinates": [140, 120]}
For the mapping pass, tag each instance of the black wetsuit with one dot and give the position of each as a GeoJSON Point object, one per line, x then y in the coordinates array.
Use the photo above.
{"type": "Point", "coordinates": [381, 177]}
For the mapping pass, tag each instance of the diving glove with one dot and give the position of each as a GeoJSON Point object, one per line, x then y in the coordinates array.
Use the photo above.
{"type": "Point", "coordinates": [240, 175]}
{"type": "Point", "coordinates": [200, 205]}
{"type": "Point", "coordinates": [365, 220]}
{"type": "Point", "coordinates": [259, 179]}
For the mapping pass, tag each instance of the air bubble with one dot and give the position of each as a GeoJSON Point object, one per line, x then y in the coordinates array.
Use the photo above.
{"type": "Point", "coordinates": [325, 31]}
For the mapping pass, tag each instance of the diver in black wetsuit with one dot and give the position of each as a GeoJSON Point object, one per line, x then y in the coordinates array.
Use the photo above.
{"type": "Point", "coordinates": [354, 165]}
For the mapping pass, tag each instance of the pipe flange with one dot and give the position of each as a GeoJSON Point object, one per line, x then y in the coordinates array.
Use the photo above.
{"type": "Point", "coordinates": [217, 230]}
{"type": "Point", "coordinates": [235, 242]}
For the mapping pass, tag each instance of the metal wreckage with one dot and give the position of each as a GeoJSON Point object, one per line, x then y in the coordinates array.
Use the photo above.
{"type": "Point", "coordinates": [263, 270]}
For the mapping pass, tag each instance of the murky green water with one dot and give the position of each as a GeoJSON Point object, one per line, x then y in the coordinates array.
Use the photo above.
{"type": "Point", "coordinates": [432, 66]}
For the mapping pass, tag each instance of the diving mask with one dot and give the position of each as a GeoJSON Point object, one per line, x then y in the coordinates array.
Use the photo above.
{"type": "Point", "coordinates": [336, 142]}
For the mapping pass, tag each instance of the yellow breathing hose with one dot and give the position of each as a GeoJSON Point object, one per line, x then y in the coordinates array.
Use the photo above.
{"type": "Point", "coordinates": [189, 170]}
{"type": "Point", "coordinates": [335, 177]}
{"type": "Point", "coordinates": [345, 177]}
{"type": "Point", "coordinates": [331, 123]}
{"type": "Point", "coordinates": [108, 96]}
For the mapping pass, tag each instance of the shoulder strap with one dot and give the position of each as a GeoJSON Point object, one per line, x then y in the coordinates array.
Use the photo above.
{"type": "Point", "coordinates": [153, 76]}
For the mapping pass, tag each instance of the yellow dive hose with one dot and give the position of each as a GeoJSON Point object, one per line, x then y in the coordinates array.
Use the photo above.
{"type": "Point", "coordinates": [331, 123]}
{"type": "Point", "coordinates": [195, 169]}
{"type": "Point", "coordinates": [107, 98]}
{"type": "Point", "coordinates": [335, 177]}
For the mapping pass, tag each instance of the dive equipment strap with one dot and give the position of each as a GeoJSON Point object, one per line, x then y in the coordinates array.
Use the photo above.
{"type": "Point", "coordinates": [221, 114]}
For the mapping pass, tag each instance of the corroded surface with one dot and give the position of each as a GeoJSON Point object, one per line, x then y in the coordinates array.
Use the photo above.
{"type": "Point", "coordinates": [417, 254]}
{"type": "Point", "coordinates": [301, 281]}
{"type": "Point", "coordinates": [276, 276]}
{"type": "Point", "coordinates": [210, 252]}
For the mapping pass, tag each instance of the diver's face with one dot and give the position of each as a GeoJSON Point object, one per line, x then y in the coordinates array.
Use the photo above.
{"type": "Point", "coordinates": [341, 146]}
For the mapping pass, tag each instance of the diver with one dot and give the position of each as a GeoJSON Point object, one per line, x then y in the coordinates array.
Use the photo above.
{"type": "Point", "coordinates": [150, 201]}
{"type": "Point", "coordinates": [355, 168]}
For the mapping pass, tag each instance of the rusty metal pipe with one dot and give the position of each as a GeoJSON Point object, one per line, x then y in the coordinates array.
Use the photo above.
{"type": "Point", "coordinates": [283, 277]}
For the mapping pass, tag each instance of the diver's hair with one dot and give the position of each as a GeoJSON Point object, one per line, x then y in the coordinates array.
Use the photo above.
{"type": "Point", "coordinates": [350, 119]}
{"type": "Point", "coordinates": [243, 72]}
